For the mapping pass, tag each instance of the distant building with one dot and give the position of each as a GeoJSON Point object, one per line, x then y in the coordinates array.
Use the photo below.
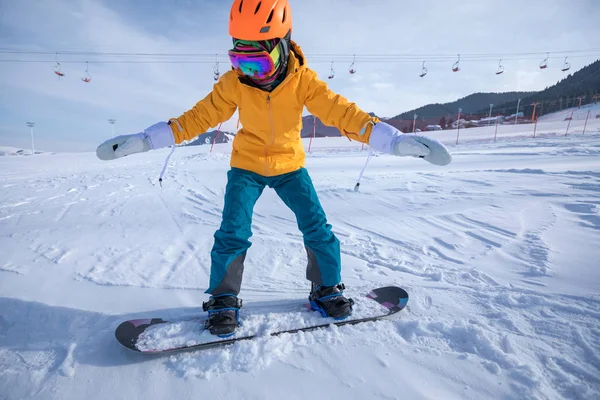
{"type": "Point", "coordinates": [433, 128]}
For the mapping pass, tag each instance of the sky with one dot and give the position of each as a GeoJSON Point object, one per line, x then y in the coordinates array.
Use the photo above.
{"type": "Point", "coordinates": [71, 115]}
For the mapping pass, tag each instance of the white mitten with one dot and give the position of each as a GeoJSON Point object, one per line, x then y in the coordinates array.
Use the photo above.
{"type": "Point", "coordinates": [387, 139]}
{"type": "Point", "coordinates": [155, 137]}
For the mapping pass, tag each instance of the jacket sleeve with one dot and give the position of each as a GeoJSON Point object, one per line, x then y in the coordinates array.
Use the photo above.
{"type": "Point", "coordinates": [334, 110]}
{"type": "Point", "coordinates": [218, 106]}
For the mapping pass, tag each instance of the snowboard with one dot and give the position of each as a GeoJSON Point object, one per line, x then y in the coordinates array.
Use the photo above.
{"type": "Point", "coordinates": [156, 335]}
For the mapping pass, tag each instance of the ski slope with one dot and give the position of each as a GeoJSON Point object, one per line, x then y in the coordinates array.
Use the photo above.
{"type": "Point", "coordinates": [577, 113]}
{"type": "Point", "coordinates": [498, 251]}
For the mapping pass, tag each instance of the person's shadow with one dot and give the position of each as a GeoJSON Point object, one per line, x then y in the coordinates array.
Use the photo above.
{"type": "Point", "coordinates": [43, 336]}
{"type": "Point", "coordinates": [39, 341]}
{"type": "Point", "coordinates": [49, 337]}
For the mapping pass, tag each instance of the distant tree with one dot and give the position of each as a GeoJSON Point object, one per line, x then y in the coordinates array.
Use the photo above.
{"type": "Point", "coordinates": [443, 122]}
{"type": "Point", "coordinates": [450, 123]}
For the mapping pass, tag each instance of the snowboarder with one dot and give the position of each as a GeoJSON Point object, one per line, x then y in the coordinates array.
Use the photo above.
{"type": "Point", "coordinates": [270, 84]}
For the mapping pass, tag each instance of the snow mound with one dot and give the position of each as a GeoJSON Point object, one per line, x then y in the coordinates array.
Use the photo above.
{"type": "Point", "coordinates": [14, 151]}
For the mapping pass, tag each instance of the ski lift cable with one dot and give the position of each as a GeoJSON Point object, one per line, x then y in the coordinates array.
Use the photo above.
{"type": "Point", "coordinates": [316, 61]}
{"type": "Point", "coordinates": [375, 61]}
{"type": "Point", "coordinates": [336, 57]}
{"type": "Point", "coordinates": [389, 58]}
{"type": "Point", "coordinates": [188, 54]}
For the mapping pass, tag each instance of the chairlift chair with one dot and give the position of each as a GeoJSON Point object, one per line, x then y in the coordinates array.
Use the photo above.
{"type": "Point", "coordinates": [216, 73]}
{"type": "Point", "coordinates": [352, 69]}
{"type": "Point", "coordinates": [57, 68]}
{"type": "Point", "coordinates": [456, 66]}
{"type": "Point", "coordinates": [87, 78]}
{"type": "Point", "coordinates": [423, 70]}
{"type": "Point", "coordinates": [544, 63]}
{"type": "Point", "coordinates": [500, 68]}
{"type": "Point", "coordinates": [332, 73]}
{"type": "Point", "coordinates": [566, 66]}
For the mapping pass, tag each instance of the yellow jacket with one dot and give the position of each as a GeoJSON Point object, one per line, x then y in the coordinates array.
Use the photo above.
{"type": "Point", "coordinates": [269, 142]}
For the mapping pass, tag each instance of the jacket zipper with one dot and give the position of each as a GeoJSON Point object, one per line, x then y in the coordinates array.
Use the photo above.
{"type": "Point", "coordinates": [272, 132]}
{"type": "Point", "coordinates": [278, 88]}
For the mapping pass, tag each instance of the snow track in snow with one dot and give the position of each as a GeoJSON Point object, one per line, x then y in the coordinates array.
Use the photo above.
{"type": "Point", "coordinates": [498, 252]}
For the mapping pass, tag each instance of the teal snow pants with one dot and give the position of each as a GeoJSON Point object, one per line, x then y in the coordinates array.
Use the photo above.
{"type": "Point", "coordinates": [231, 240]}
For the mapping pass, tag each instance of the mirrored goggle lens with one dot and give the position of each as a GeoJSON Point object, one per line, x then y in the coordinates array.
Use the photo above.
{"type": "Point", "coordinates": [256, 65]}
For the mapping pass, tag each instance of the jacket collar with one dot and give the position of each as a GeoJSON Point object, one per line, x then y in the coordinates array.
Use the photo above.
{"type": "Point", "coordinates": [296, 57]}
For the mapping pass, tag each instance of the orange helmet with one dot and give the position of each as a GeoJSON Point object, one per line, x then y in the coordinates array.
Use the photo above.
{"type": "Point", "coordinates": [260, 19]}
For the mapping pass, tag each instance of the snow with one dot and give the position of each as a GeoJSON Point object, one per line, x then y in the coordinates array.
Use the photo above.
{"type": "Point", "coordinates": [498, 251]}
{"type": "Point", "coordinates": [14, 151]}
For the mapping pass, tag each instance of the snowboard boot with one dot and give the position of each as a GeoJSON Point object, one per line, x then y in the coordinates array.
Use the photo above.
{"type": "Point", "coordinates": [330, 301]}
{"type": "Point", "coordinates": [223, 314]}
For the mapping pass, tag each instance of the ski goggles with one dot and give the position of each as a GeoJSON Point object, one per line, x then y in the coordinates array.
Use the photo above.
{"type": "Point", "coordinates": [256, 64]}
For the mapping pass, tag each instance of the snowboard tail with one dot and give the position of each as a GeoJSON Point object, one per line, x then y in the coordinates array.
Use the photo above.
{"type": "Point", "coordinates": [136, 334]}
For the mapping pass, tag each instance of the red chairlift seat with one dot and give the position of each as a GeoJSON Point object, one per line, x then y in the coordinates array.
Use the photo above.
{"type": "Point", "coordinates": [544, 63]}
{"type": "Point", "coordinates": [456, 66]}
{"type": "Point", "coordinates": [57, 70]}
{"type": "Point", "coordinates": [87, 78]}
{"type": "Point", "coordinates": [352, 70]}
{"type": "Point", "coordinates": [57, 67]}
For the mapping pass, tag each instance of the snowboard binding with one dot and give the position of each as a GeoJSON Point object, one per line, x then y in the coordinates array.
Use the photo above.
{"type": "Point", "coordinates": [330, 301]}
{"type": "Point", "coordinates": [223, 314]}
